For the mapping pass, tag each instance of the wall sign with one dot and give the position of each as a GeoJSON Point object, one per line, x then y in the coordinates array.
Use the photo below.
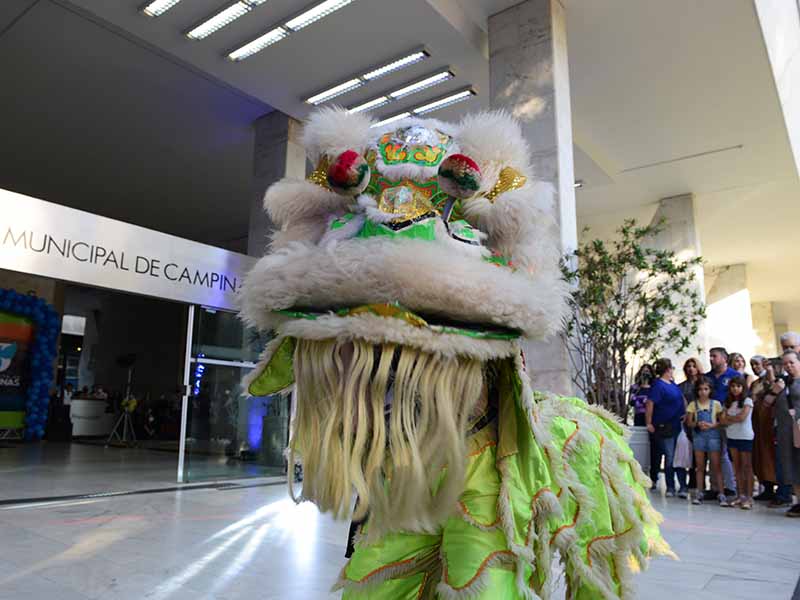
{"type": "Point", "coordinates": [51, 240]}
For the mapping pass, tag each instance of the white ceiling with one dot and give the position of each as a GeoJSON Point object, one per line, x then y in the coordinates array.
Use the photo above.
{"type": "Point", "coordinates": [331, 50]}
{"type": "Point", "coordinates": [94, 120]}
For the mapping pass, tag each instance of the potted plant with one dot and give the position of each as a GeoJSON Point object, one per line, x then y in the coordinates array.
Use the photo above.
{"type": "Point", "coordinates": [629, 303]}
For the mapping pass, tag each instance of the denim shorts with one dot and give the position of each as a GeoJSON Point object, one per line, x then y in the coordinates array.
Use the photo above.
{"type": "Point", "coordinates": [740, 445]}
{"type": "Point", "coordinates": [707, 441]}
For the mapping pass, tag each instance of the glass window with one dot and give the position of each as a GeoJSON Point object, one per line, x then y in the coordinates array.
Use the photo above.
{"type": "Point", "coordinates": [221, 335]}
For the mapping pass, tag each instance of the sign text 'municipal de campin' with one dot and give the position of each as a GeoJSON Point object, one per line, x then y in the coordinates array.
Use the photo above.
{"type": "Point", "coordinates": [110, 258]}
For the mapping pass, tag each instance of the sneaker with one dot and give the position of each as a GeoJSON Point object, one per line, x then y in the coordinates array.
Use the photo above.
{"type": "Point", "coordinates": [683, 494]}
{"type": "Point", "coordinates": [746, 505]}
{"type": "Point", "coordinates": [723, 501]}
{"type": "Point", "coordinates": [737, 502]}
{"type": "Point", "coordinates": [765, 497]}
{"type": "Point", "coordinates": [794, 511]}
{"type": "Point", "coordinates": [778, 503]}
{"type": "Point", "coordinates": [670, 494]}
{"type": "Point", "coordinates": [697, 499]}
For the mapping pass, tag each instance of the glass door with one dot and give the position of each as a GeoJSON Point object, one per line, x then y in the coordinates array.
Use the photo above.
{"type": "Point", "coordinates": [226, 433]}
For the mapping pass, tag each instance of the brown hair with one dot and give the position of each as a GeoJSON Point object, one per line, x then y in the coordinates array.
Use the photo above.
{"type": "Point", "coordinates": [703, 380]}
{"type": "Point", "coordinates": [731, 399]}
{"type": "Point", "coordinates": [696, 363]}
{"type": "Point", "coordinates": [661, 366]}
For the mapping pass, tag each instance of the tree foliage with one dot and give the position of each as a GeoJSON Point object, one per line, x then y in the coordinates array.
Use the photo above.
{"type": "Point", "coordinates": [629, 303]}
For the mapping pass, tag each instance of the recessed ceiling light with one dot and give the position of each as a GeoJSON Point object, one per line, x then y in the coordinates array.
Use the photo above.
{"type": "Point", "coordinates": [323, 9]}
{"type": "Point", "coordinates": [442, 102]}
{"type": "Point", "coordinates": [159, 7]}
{"type": "Point", "coordinates": [336, 90]}
{"type": "Point", "coordinates": [219, 20]}
{"type": "Point", "coordinates": [404, 91]}
{"type": "Point", "coordinates": [396, 65]}
{"type": "Point", "coordinates": [402, 115]}
{"type": "Point", "coordinates": [224, 17]}
{"type": "Point", "coordinates": [258, 44]}
{"type": "Point", "coordinates": [372, 74]}
{"type": "Point", "coordinates": [422, 84]}
{"type": "Point", "coordinates": [383, 100]}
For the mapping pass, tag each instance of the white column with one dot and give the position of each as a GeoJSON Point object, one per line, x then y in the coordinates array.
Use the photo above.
{"type": "Point", "coordinates": [679, 234]}
{"type": "Point", "coordinates": [729, 321]}
{"type": "Point", "coordinates": [530, 79]}
{"type": "Point", "coordinates": [278, 153]}
{"type": "Point", "coordinates": [764, 328]}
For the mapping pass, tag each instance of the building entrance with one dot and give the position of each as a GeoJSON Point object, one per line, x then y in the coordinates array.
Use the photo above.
{"type": "Point", "coordinates": [227, 432]}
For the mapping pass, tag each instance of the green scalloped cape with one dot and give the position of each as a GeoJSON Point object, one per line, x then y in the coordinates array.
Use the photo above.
{"type": "Point", "coordinates": [551, 480]}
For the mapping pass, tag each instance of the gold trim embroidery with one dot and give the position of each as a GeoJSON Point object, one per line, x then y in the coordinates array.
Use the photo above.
{"type": "Point", "coordinates": [320, 174]}
{"type": "Point", "coordinates": [509, 179]}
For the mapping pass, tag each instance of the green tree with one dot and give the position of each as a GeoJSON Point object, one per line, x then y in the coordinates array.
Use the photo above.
{"type": "Point", "coordinates": [629, 303]}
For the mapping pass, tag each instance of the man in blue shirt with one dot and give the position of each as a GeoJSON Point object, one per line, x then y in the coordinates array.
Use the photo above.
{"type": "Point", "coordinates": [720, 373]}
{"type": "Point", "coordinates": [720, 376]}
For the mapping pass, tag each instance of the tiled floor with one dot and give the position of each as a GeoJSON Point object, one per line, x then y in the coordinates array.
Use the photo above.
{"type": "Point", "coordinates": [255, 543]}
{"type": "Point", "coordinates": [51, 468]}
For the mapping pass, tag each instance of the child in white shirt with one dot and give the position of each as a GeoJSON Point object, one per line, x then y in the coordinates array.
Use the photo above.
{"type": "Point", "coordinates": [739, 429]}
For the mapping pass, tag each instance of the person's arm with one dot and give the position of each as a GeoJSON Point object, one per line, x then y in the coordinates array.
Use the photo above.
{"type": "Point", "coordinates": [740, 417]}
{"type": "Point", "coordinates": [774, 391]}
{"type": "Point", "coordinates": [648, 416]}
{"type": "Point", "coordinates": [691, 419]}
{"type": "Point", "coordinates": [722, 421]}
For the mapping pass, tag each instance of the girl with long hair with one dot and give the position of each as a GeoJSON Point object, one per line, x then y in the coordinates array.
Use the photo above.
{"type": "Point", "coordinates": [703, 417]}
{"type": "Point", "coordinates": [738, 420]}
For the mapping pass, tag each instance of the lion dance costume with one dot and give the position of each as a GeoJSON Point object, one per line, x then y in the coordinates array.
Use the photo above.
{"type": "Point", "coordinates": [403, 275]}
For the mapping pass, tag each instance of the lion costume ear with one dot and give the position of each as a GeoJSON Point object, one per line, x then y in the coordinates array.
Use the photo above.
{"type": "Point", "coordinates": [274, 373]}
{"type": "Point", "coordinates": [331, 131]}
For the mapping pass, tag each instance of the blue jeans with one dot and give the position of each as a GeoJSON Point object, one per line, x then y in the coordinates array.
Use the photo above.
{"type": "Point", "coordinates": [664, 447]}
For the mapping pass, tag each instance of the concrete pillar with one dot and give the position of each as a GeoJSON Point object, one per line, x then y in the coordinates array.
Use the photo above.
{"type": "Point", "coordinates": [729, 321]}
{"type": "Point", "coordinates": [764, 328]}
{"type": "Point", "coordinates": [277, 153]}
{"type": "Point", "coordinates": [679, 235]}
{"type": "Point", "coordinates": [529, 78]}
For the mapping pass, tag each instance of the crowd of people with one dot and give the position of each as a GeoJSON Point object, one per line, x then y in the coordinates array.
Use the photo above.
{"type": "Point", "coordinates": [732, 426]}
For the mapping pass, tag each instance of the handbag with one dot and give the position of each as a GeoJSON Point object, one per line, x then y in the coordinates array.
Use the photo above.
{"type": "Point", "coordinates": [683, 452]}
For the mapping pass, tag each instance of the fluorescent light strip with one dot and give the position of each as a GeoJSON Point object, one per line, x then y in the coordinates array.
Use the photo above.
{"type": "Point", "coordinates": [219, 20]}
{"type": "Point", "coordinates": [383, 100]}
{"type": "Point", "coordinates": [402, 115]}
{"type": "Point", "coordinates": [258, 44]}
{"type": "Point", "coordinates": [159, 7]}
{"type": "Point", "coordinates": [371, 75]}
{"type": "Point", "coordinates": [224, 17]}
{"type": "Point", "coordinates": [421, 85]}
{"type": "Point", "coordinates": [442, 102]}
{"type": "Point", "coordinates": [395, 65]}
{"type": "Point", "coordinates": [323, 9]}
{"type": "Point", "coordinates": [335, 91]}
{"type": "Point", "coordinates": [403, 92]}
